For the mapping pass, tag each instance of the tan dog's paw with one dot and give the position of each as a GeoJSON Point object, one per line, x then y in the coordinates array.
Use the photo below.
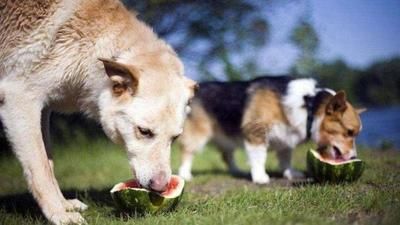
{"type": "Point", "coordinates": [292, 174]}
{"type": "Point", "coordinates": [66, 218]}
{"type": "Point", "coordinates": [74, 205]}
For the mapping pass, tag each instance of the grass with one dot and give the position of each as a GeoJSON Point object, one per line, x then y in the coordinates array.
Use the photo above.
{"type": "Point", "coordinates": [88, 170]}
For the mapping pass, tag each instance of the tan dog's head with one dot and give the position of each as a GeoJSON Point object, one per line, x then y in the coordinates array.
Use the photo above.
{"type": "Point", "coordinates": [144, 107]}
{"type": "Point", "coordinates": [339, 126]}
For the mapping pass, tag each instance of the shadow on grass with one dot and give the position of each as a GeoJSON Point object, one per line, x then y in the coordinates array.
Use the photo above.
{"type": "Point", "coordinates": [239, 174]}
{"type": "Point", "coordinates": [25, 205]}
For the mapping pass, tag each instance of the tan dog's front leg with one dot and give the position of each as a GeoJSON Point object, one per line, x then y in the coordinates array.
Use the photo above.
{"type": "Point", "coordinates": [21, 118]}
{"type": "Point", "coordinates": [69, 204]}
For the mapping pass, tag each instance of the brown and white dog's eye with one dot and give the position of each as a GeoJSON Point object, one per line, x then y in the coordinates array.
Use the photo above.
{"type": "Point", "coordinates": [145, 132]}
{"type": "Point", "coordinates": [350, 133]}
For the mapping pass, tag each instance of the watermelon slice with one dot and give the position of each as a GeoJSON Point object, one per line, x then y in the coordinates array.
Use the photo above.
{"type": "Point", "coordinates": [335, 171]}
{"type": "Point", "coordinates": [130, 196]}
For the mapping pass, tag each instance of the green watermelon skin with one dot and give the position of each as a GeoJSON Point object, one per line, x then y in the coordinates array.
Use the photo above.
{"type": "Point", "coordinates": [325, 172]}
{"type": "Point", "coordinates": [143, 201]}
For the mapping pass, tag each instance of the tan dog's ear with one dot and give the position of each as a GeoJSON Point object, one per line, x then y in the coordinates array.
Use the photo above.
{"type": "Point", "coordinates": [337, 104]}
{"type": "Point", "coordinates": [361, 110]}
{"type": "Point", "coordinates": [124, 77]}
{"type": "Point", "coordinates": [191, 84]}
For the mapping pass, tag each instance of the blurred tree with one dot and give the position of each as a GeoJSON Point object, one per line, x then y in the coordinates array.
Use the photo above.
{"type": "Point", "coordinates": [379, 84]}
{"type": "Point", "coordinates": [305, 38]}
{"type": "Point", "coordinates": [210, 33]}
{"type": "Point", "coordinates": [338, 76]}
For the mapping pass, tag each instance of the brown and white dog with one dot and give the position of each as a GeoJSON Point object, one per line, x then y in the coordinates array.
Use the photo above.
{"type": "Point", "coordinates": [278, 112]}
{"type": "Point", "coordinates": [95, 57]}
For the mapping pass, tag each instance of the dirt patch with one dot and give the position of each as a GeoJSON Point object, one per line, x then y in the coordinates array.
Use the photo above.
{"type": "Point", "coordinates": [364, 218]}
{"type": "Point", "coordinates": [218, 186]}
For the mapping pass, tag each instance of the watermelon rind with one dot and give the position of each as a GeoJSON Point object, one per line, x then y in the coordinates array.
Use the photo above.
{"type": "Point", "coordinates": [333, 172]}
{"type": "Point", "coordinates": [142, 201]}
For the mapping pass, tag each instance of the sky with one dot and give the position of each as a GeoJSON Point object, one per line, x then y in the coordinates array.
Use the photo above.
{"type": "Point", "coordinates": [358, 31]}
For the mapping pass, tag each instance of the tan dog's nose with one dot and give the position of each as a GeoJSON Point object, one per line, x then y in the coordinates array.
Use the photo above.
{"type": "Point", "coordinates": [159, 182]}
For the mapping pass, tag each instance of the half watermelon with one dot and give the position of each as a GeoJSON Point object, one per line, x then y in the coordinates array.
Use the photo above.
{"type": "Point", "coordinates": [129, 196]}
{"type": "Point", "coordinates": [324, 170]}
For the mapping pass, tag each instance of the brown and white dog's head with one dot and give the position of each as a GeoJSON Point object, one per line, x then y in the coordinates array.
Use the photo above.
{"type": "Point", "coordinates": [144, 107]}
{"type": "Point", "coordinates": [339, 124]}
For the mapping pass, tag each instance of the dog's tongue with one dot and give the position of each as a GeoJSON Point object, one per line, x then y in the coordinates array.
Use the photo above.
{"type": "Point", "coordinates": [332, 160]}
{"type": "Point", "coordinates": [337, 156]}
{"type": "Point", "coordinates": [334, 157]}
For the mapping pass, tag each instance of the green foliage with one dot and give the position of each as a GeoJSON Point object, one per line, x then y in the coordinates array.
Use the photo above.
{"type": "Point", "coordinates": [338, 76]}
{"type": "Point", "coordinates": [233, 71]}
{"type": "Point", "coordinates": [306, 39]}
{"type": "Point", "coordinates": [377, 84]}
{"type": "Point", "coordinates": [305, 65]}
{"type": "Point", "coordinates": [208, 32]}
{"type": "Point", "coordinates": [380, 83]}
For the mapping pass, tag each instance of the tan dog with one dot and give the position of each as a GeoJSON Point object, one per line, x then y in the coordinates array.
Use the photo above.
{"type": "Point", "coordinates": [277, 112]}
{"type": "Point", "coordinates": [49, 53]}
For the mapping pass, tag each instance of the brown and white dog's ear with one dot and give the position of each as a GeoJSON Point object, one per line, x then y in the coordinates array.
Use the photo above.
{"type": "Point", "coordinates": [361, 110]}
{"type": "Point", "coordinates": [125, 79]}
{"type": "Point", "coordinates": [337, 104]}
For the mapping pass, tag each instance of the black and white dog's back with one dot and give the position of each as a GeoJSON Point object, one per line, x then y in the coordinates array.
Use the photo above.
{"type": "Point", "coordinates": [226, 101]}
{"type": "Point", "coordinates": [276, 111]}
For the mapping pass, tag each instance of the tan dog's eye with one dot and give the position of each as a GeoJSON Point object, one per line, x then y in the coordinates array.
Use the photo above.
{"type": "Point", "coordinates": [174, 138]}
{"type": "Point", "coordinates": [144, 132]}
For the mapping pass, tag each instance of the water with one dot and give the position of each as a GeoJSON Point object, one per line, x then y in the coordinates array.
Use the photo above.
{"type": "Point", "coordinates": [380, 125]}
